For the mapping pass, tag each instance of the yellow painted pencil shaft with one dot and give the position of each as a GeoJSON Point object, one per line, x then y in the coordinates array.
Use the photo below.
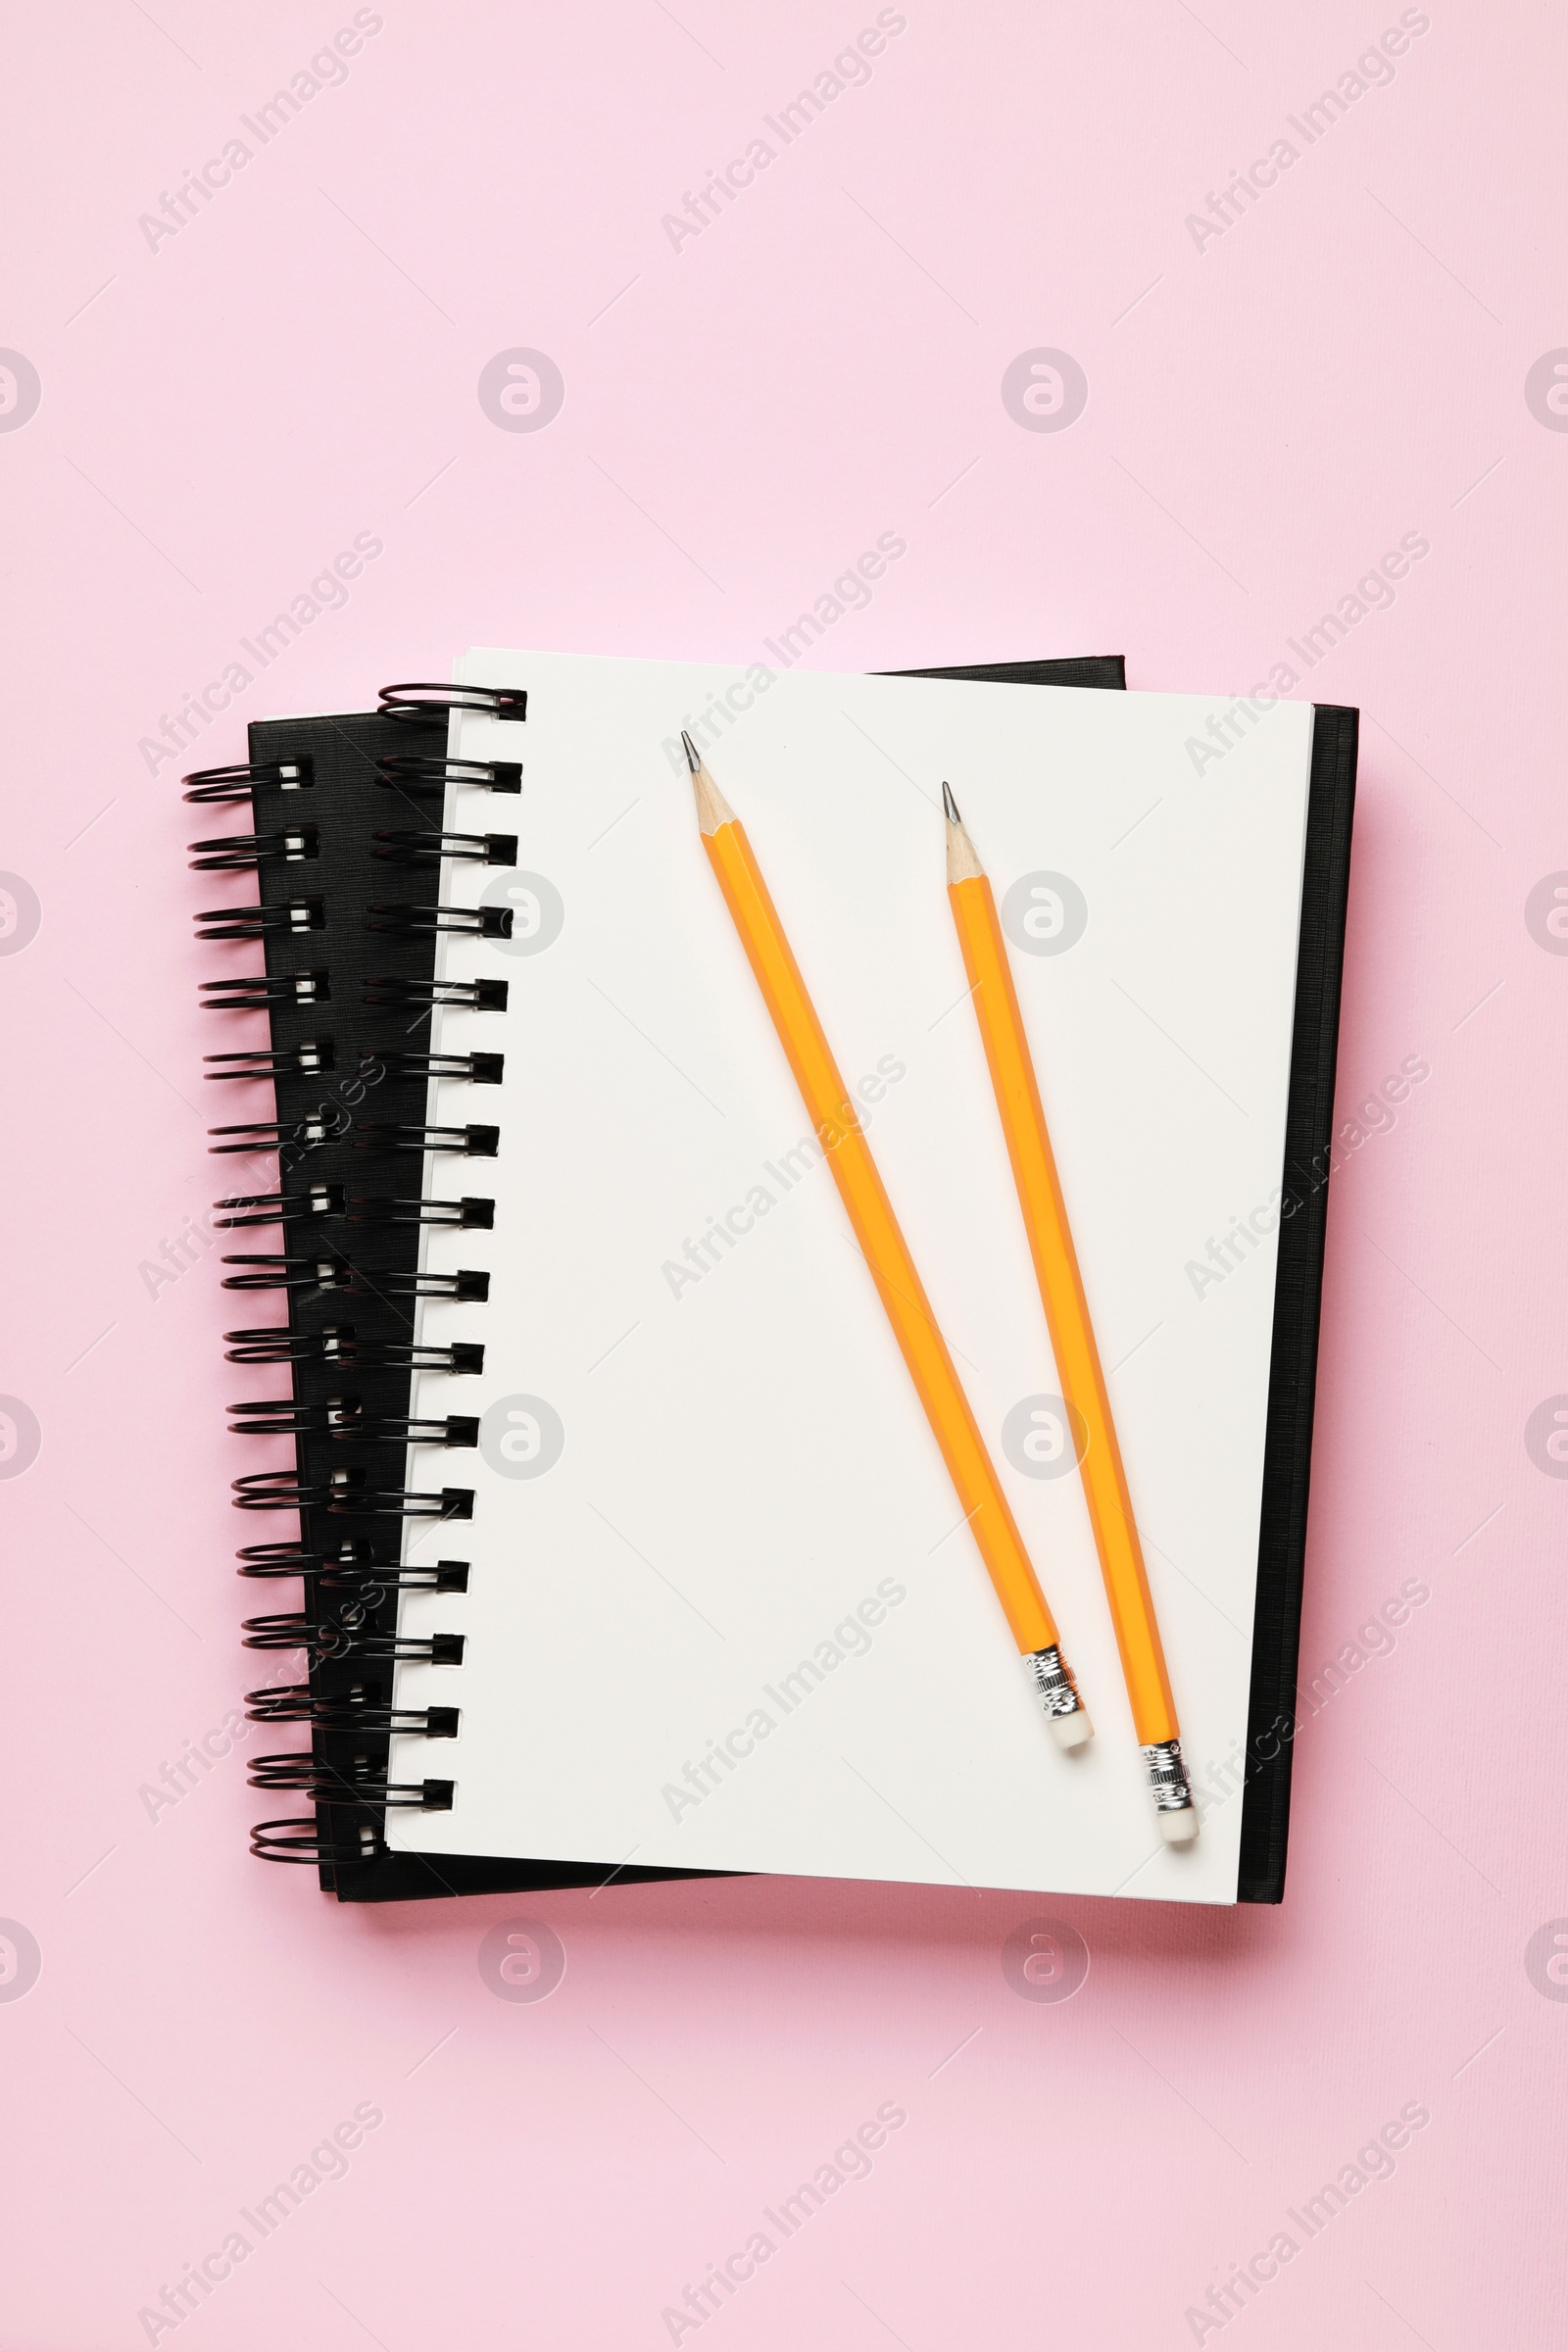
{"type": "Point", "coordinates": [836, 1120]}
{"type": "Point", "coordinates": [1061, 1288]}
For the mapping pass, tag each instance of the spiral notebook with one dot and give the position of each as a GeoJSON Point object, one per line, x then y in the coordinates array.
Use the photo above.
{"type": "Point", "coordinates": [623, 1551]}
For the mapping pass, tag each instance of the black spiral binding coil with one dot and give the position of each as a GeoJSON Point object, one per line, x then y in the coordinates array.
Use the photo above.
{"type": "Point", "coordinates": [339, 1343]}
{"type": "Point", "coordinates": [480, 1069]}
{"type": "Point", "coordinates": [209, 784]}
{"type": "Point", "coordinates": [345, 1418]}
{"type": "Point", "coordinates": [312, 1058]}
{"type": "Point", "coordinates": [477, 1143]}
{"type": "Point", "coordinates": [285, 918]}
{"type": "Point", "coordinates": [255, 991]}
{"type": "Point", "coordinates": [471, 1215]}
{"type": "Point", "coordinates": [362, 1710]}
{"type": "Point", "coordinates": [428, 849]}
{"type": "Point", "coordinates": [239, 853]}
{"type": "Point", "coordinates": [313, 1128]}
{"type": "Point", "coordinates": [282, 1209]}
{"type": "Point", "coordinates": [416, 776]}
{"type": "Point", "coordinates": [416, 920]}
{"type": "Point", "coordinates": [422, 702]}
{"type": "Point", "coordinates": [330, 1177]}
{"type": "Point", "coordinates": [406, 996]}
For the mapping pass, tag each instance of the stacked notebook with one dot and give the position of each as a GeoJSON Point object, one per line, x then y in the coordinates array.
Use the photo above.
{"type": "Point", "coordinates": [609, 1539]}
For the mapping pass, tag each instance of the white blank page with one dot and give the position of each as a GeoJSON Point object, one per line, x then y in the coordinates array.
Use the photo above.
{"type": "Point", "coordinates": [722, 1612]}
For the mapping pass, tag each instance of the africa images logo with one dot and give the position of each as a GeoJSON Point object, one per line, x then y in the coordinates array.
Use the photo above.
{"type": "Point", "coordinates": [521, 1437]}
{"type": "Point", "coordinates": [19, 390]}
{"type": "Point", "coordinates": [1045, 390]}
{"type": "Point", "coordinates": [521, 390]}
{"type": "Point", "coordinates": [20, 1437]}
{"type": "Point", "coordinates": [1545, 390]}
{"type": "Point", "coordinates": [19, 914]}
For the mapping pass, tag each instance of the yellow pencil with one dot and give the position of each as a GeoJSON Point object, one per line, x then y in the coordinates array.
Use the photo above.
{"type": "Point", "coordinates": [1072, 1338]}
{"type": "Point", "coordinates": [835, 1117]}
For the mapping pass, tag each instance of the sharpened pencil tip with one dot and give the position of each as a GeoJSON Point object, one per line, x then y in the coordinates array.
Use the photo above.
{"type": "Point", "coordinates": [963, 866]}
{"type": "Point", "coordinates": [713, 810]}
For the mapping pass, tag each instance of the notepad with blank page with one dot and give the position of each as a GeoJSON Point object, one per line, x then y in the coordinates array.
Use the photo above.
{"type": "Point", "coordinates": [723, 1611]}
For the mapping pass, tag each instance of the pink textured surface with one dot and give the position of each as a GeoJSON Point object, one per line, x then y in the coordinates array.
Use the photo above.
{"type": "Point", "coordinates": [1268, 412]}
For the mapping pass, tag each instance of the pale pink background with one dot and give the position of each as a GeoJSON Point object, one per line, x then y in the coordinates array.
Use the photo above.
{"type": "Point", "coordinates": [1265, 418]}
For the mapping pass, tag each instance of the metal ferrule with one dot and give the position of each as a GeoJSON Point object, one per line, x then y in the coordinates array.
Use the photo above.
{"type": "Point", "coordinates": [1167, 1776]}
{"type": "Point", "coordinates": [1053, 1683]}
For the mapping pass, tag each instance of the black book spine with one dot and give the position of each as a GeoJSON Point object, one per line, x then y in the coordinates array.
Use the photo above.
{"type": "Point", "coordinates": [1273, 1718]}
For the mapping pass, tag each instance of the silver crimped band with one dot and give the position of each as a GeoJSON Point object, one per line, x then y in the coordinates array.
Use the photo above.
{"type": "Point", "coordinates": [1053, 1683]}
{"type": "Point", "coordinates": [1167, 1776]}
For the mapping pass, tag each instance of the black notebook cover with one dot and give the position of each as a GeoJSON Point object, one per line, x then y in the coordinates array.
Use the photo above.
{"type": "Point", "coordinates": [355, 1269]}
